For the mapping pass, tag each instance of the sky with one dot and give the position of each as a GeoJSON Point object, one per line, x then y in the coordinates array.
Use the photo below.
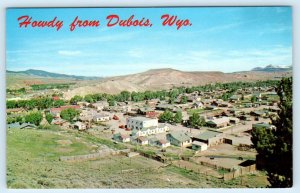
{"type": "Point", "coordinates": [226, 39]}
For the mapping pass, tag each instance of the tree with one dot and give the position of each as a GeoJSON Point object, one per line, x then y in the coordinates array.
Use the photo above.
{"type": "Point", "coordinates": [76, 99]}
{"type": "Point", "coordinates": [49, 117]}
{"type": "Point", "coordinates": [34, 118]}
{"type": "Point", "coordinates": [58, 103]}
{"type": "Point", "coordinates": [183, 100]}
{"type": "Point", "coordinates": [274, 146]}
{"type": "Point", "coordinates": [69, 114]}
{"type": "Point", "coordinates": [89, 99]}
{"type": "Point", "coordinates": [253, 99]}
{"type": "Point", "coordinates": [166, 116]}
{"type": "Point", "coordinates": [178, 117]}
{"type": "Point", "coordinates": [196, 121]}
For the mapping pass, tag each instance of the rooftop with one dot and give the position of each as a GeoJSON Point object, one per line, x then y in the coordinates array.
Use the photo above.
{"type": "Point", "coordinates": [207, 135]}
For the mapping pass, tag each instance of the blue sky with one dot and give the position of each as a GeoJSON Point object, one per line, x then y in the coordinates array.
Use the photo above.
{"type": "Point", "coordinates": [224, 39]}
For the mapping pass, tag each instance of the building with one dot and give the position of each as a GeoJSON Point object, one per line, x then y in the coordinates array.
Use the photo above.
{"type": "Point", "coordinates": [218, 122]}
{"type": "Point", "coordinates": [199, 146]}
{"type": "Point", "coordinates": [100, 105]}
{"type": "Point", "coordinates": [139, 123]}
{"type": "Point", "coordinates": [142, 140]}
{"type": "Point", "coordinates": [211, 138]}
{"type": "Point", "coordinates": [79, 125]}
{"type": "Point", "coordinates": [20, 126]}
{"type": "Point", "coordinates": [101, 118]}
{"type": "Point", "coordinates": [180, 139]}
{"type": "Point", "coordinates": [163, 143]}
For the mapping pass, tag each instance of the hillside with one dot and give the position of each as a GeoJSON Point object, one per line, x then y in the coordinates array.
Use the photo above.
{"type": "Point", "coordinates": [19, 79]}
{"type": "Point", "coordinates": [167, 78]}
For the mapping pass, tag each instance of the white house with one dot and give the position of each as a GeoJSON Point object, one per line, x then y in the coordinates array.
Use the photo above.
{"type": "Point", "coordinates": [199, 146]}
{"type": "Point", "coordinates": [101, 118]}
{"type": "Point", "coordinates": [80, 126]}
{"type": "Point", "coordinates": [141, 122]}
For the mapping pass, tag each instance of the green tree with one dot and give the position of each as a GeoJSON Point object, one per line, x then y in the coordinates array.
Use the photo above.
{"type": "Point", "coordinates": [183, 100]}
{"type": "Point", "coordinates": [89, 98]}
{"type": "Point", "coordinates": [69, 114]}
{"type": "Point", "coordinates": [178, 117]}
{"type": "Point", "coordinates": [34, 118]}
{"type": "Point", "coordinates": [166, 116]}
{"type": "Point", "coordinates": [49, 117]}
{"type": "Point", "coordinates": [253, 99]}
{"type": "Point", "coordinates": [274, 146]}
{"type": "Point", "coordinates": [196, 121]}
{"type": "Point", "coordinates": [76, 99]}
{"type": "Point", "coordinates": [58, 103]}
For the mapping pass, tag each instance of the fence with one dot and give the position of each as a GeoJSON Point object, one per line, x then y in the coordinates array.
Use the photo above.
{"type": "Point", "coordinates": [239, 172]}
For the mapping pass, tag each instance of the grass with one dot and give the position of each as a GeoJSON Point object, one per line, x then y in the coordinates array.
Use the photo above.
{"type": "Point", "coordinates": [32, 162]}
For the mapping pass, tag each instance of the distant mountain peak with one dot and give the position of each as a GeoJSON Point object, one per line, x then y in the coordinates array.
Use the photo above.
{"type": "Point", "coordinates": [273, 68]}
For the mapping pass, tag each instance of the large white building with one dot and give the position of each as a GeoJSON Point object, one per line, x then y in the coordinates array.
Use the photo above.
{"type": "Point", "coordinates": [139, 123]}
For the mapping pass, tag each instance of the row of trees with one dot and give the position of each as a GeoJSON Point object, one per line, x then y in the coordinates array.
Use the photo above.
{"type": "Point", "coordinates": [194, 121]}
{"type": "Point", "coordinates": [36, 117]}
{"type": "Point", "coordinates": [275, 147]}
{"type": "Point", "coordinates": [36, 103]}
{"type": "Point", "coordinates": [170, 95]}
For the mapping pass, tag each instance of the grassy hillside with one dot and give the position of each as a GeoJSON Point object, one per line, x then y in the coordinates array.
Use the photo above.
{"type": "Point", "coordinates": [32, 162]}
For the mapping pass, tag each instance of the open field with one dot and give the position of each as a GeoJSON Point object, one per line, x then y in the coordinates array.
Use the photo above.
{"type": "Point", "coordinates": [33, 162]}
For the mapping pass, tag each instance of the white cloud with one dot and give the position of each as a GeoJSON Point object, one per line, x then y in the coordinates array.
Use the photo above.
{"type": "Point", "coordinates": [69, 52]}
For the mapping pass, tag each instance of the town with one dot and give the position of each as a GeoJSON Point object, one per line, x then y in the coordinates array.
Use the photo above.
{"type": "Point", "coordinates": [204, 129]}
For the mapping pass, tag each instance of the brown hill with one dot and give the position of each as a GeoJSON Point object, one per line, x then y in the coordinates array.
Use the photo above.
{"type": "Point", "coordinates": [166, 78]}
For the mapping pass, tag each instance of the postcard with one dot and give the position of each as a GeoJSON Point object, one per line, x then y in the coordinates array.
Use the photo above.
{"type": "Point", "coordinates": [161, 97]}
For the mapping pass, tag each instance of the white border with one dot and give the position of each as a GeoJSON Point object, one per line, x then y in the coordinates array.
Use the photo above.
{"type": "Point", "coordinates": [142, 3]}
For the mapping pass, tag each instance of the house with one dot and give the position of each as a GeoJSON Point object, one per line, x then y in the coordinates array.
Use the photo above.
{"type": "Point", "coordinates": [258, 113]}
{"type": "Point", "coordinates": [121, 137]}
{"type": "Point", "coordinates": [199, 146]}
{"type": "Point", "coordinates": [142, 140]}
{"type": "Point", "coordinates": [101, 117]}
{"type": "Point", "coordinates": [79, 125]}
{"type": "Point", "coordinates": [180, 139]}
{"type": "Point", "coordinates": [263, 125]}
{"type": "Point", "coordinates": [234, 120]}
{"type": "Point", "coordinates": [163, 143]}
{"type": "Point", "coordinates": [198, 105]}
{"type": "Point", "coordinates": [234, 98]}
{"type": "Point", "coordinates": [83, 104]}
{"type": "Point", "coordinates": [141, 122]}
{"type": "Point", "coordinates": [211, 138]}
{"type": "Point", "coordinates": [20, 126]}
{"type": "Point", "coordinates": [164, 107]}
{"type": "Point", "coordinates": [218, 122]}
{"type": "Point", "coordinates": [100, 105]}
{"type": "Point", "coordinates": [56, 111]}
{"type": "Point", "coordinates": [145, 110]}
{"type": "Point", "coordinates": [61, 122]}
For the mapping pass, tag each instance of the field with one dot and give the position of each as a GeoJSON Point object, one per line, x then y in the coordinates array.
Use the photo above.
{"type": "Point", "coordinates": [33, 162]}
